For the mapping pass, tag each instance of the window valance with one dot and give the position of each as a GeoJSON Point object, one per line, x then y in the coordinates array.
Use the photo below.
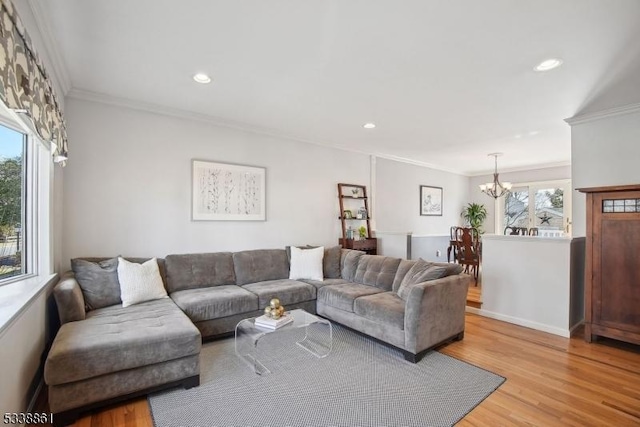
{"type": "Point", "coordinates": [25, 86]}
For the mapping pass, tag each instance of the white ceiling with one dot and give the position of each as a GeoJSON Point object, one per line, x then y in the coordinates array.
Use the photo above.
{"type": "Point", "coordinates": [446, 82]}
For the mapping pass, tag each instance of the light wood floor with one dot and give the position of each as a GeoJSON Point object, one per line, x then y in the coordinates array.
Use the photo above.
{"type": "Point", "coordinates": [474, 296]}
{"type": "Point", "coordinates": [551, 381]}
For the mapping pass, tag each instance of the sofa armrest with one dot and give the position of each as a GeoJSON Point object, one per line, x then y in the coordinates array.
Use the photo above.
{"type": "Point", "coordinates": [69, 299]}
{"type": "Point", "coordinates": [434, 311]}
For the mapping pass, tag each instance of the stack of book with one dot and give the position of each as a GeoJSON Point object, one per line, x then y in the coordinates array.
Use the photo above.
{"type": "Point", "coordinates": [269, 323]}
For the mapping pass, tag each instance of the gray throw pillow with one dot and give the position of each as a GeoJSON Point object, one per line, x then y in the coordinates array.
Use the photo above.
{"type": "Point", "coordinates": [98, 282]}
{"type": "Point", "coordinates": [422, 271]}
{"type": "Point", "coordinates": [330, 262]}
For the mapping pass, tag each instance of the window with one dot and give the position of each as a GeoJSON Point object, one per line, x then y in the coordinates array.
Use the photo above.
{"type": "Point", "coordinates": [542, 205]}
{"type": "Point", "coordinates": [12, 203]}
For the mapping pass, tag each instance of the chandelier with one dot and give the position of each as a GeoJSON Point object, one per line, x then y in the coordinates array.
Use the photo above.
{"type": "Point", "coordinates": [495, 189]}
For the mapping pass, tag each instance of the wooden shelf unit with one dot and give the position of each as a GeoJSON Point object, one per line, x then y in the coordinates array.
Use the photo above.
{"type": "Point", "coordinates": [368, 245]}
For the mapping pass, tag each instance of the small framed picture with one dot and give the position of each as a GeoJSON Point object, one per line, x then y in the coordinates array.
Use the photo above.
{"type": "Point", "coordinates": [430, 200]}
{"type": "Point", "coordinates": [347, 214]}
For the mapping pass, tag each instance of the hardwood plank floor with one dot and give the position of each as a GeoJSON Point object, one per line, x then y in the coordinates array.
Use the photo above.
{"type": "Point", "coordinates": [551, 381]}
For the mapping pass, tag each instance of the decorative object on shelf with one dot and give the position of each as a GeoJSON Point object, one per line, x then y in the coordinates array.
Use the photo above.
{"type": "Point", "coordinates": [430, 201]}
{"type": "Point", "coordinates": [274, 310]}
{"type": "Point", "coordinates": [474, 215]}
{"type": "Point", "coordinates": [347, 214]}
{"type": "Point", "coordinates": [225, 192]}
{"type": "Point", "coordinates": [349, 233]}
{"type": "Point", "coordinates": [495, 189]}
{"type": "Point", "coordinates": [355, 192]}
{"type": "Point", "coordinates": [362, 213]}
{"type": "Point", "coordinates": [362, 231]}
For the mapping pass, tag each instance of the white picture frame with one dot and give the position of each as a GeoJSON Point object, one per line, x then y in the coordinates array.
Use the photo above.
{"type": "Point", "coordinates": [227, 192]}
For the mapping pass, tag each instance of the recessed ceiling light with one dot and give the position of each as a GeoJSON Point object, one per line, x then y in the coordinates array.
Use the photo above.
{"type": "Point", "coordinates": [202, 78]}
{"type": "Point", "coordinates": [548, 64]}
{"type": "Point", "coordinates": [369, 125]}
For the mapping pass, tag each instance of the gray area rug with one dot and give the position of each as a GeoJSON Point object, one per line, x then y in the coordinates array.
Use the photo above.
{"type": "Point", "coordinates": [361, 383]}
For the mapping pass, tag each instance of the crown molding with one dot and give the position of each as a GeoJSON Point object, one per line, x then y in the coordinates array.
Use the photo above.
{"type": "Point", "coordinates": [418, 163]}
{"type": "Point", "coordinates": [598, 115]}
{"type": "Point", "coordinates": [522, 168]}
{"type": "Point", "coordinates": [101, 98]}
{"type": "Point", "coordinates": [60, 72]}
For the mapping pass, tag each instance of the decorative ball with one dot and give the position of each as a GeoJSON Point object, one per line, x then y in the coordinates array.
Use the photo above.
{"type": "Point", "coordinates": [280, 310]}
{"type": "Point", "coordinates": [274, 303]}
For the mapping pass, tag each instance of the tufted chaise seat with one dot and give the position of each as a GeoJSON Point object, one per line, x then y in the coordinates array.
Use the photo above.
{"type": "Point", "coordinates": [109, 346]}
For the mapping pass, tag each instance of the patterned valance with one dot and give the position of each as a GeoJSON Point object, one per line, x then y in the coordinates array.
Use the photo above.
{"type": "Point", "coordinates": [24, 84]}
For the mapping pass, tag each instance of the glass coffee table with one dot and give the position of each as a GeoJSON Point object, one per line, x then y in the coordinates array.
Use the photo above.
{"type": "Point", "coordinates": [317, 339]}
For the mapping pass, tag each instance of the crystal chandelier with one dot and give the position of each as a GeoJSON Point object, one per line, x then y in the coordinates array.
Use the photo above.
{"type": "Point", "coordinates": [495, 189]}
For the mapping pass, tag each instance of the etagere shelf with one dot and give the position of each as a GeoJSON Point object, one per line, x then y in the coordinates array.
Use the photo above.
{"type": "Point", "coordinates": [353, 196]}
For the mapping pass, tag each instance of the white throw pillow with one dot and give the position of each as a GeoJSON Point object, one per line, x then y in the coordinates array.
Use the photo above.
{"type": "Point", "coordinates": [139, 282]}
{"type": "Point", "coordinates": [306, 263]}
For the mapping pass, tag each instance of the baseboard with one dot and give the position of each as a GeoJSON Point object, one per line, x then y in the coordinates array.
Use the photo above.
{"type": "Point", "coordinates": [34, 398]}
{"type": "Point", "coordinates": [576, 326]}
{"type": "Point", "coordinates": [521, 322]}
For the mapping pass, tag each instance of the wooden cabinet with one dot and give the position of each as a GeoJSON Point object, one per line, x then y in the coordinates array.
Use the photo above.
{"type": "Point", "coordinates": [354, 213]}
{"type": "Point", "coordinates": [612, 280]}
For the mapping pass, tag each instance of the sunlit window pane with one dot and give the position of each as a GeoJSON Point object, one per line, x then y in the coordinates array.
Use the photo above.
{"type": "Point", "coordinates": [11, 202]}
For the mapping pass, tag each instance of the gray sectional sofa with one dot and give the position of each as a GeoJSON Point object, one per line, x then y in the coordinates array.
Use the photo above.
{"type": "Point", "coordinates": [107, 354]}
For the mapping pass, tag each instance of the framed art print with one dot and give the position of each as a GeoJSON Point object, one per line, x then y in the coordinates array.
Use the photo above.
{"type": "Point", "coordinates": [227, 192]}
{"type": "Point", "coordinates": [430, 200]}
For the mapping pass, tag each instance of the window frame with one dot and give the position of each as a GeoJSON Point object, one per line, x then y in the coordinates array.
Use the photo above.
{"type": "Point", "coordinates": [532, 187]}
{"type": "Point", "coordinates": [30, 198]}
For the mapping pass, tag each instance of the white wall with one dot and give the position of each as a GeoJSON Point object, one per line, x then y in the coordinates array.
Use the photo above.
{"type": "Point", "coordinates": [533, 175]}
{"type": "Point", "coordinates": [526, 281]}
{"type": "Point", "coordinates": [127, 188]}
{"type": "Point", "coordinates": [397, 201]}
{"type": "Point", "coordinates": [603, 152]}
{"type": "Point", "coordinates": [21, 347]}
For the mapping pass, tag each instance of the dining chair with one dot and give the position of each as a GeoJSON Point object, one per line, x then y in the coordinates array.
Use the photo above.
{"type": "Point", "coordinates": [468, 242]}
{"type": "Point", "coordinates": [453, 244]}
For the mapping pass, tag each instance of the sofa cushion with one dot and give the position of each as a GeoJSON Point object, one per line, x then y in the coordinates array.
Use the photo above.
{"type": "Point", "coordinates": [377, 270]}
{"type": "Point", "coordinates": [318, 284]}
{"type": "Point", "coordinates": [192, 271]}
{"type": "Point", "coordinates": [349, 263]}
{"type": "Point", "coordinates": [342, 296]}
{"type": "Point", "coordinates": [139, 282]}
{"type": "Point", "coordinates": [114, 338]}
{"type": "Point", "coordinates": [98, 281]}
{"type": "Point", "coordinates": [330, 262]}
{"type": "Point", "coordinates": [422, 271]}
{"type": "Point", "coordinates": [306, 263]}
{"type": "Point", "coordinates": [385, 307]}
{"type": "Point", "coordinates": [287, 291]}
{"type": "Point", "coordinates": [406, 264]}
{"type": "Point", "coordinates": [260, 265]}
{"type": "Point", "coordinates": [215, 302]}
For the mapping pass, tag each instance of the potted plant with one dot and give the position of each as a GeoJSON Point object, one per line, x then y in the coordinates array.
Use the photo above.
{"type": "Point", "coordinates": [474, 215]}
{"type": "Point", "coordinates": [363, 232]}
